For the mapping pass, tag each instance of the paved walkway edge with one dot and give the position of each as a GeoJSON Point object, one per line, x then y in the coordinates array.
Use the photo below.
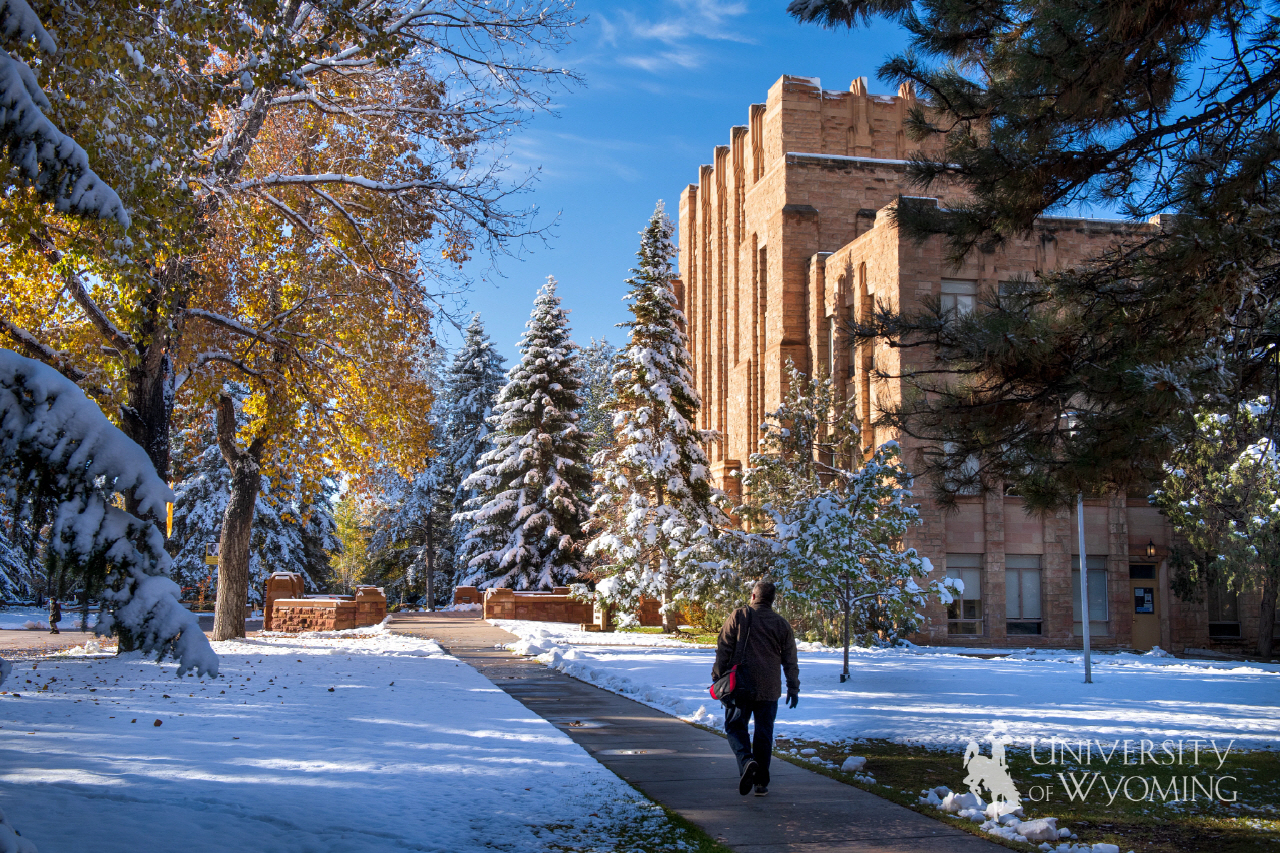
{"type": "Point", "coordinates": [690, 770]}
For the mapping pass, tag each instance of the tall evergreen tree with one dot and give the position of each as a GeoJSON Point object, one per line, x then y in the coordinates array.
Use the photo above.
{"type": "Point", "coordinates": [472, 384]}
{"type": "Point", "coordinates": [527, 517]}
{"type": "Point", "coordinates": [655, 507]}
{"type": "Point", "coordinates": [597, 395]}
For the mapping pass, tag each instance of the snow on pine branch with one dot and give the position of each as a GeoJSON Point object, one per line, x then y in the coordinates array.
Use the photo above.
{"type": "Point", "coordinates": [53, 162]}
{"type": "Point", "coordinates": [56, 440]}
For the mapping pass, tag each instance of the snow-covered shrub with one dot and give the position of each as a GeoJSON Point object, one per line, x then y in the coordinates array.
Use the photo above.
{"type": "Point", "coordinates": [826, 521]}
{"type": "Point", "coordinates": [55, 443]}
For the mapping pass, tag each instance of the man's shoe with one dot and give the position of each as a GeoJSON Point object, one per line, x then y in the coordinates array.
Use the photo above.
{"type": "Point", "coordinates": [762, 790]}
{"type": "Point", "coordinates": [748, 778]}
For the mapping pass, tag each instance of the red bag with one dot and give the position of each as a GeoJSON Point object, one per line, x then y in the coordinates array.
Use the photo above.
{"type": "Point", "coordinates": [732, 685]}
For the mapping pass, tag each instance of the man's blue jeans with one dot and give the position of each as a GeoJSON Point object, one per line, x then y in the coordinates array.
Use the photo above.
{"type": "Point", "coordinates": [746, 748]}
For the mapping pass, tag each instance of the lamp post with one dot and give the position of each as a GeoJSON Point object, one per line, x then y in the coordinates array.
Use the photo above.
{"type": "Point", "coordinates": [1084, 589]}
{"type": "Point", "coordinates": [1151, 549]}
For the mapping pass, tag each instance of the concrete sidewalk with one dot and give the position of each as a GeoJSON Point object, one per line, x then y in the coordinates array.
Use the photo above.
{"type": "Point", "coordinates": [42, 642]}
{"type": "Point", "coordinates": [692, 771]}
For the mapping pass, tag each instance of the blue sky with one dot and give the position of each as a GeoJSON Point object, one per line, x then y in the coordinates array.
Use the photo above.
{"type": "Point", "coordinates": [665, 80]}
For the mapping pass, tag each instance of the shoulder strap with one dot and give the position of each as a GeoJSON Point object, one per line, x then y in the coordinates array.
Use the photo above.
{"type": "Point", "coordinates": [742, 647]}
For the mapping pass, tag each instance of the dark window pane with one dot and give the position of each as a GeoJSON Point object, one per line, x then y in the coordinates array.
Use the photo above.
{"type": "Point", "coordinates": [1022, 628]}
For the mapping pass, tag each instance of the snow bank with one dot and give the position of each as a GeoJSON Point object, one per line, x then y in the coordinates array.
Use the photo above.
{"type": "Point", "coordinates": [11, 841]}
{"type": "Point", "coordinates": [568, 634]}
{"type": "Point", "coordinates": [943, 697]}
{"type": "Point", "coordinates": [1010, 826]}
{"type": "Point", "coordinates": [363, 742]}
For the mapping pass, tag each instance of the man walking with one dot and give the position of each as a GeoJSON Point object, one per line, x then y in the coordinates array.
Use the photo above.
{"type": "Point", "coordinates": [770, 645]}
{"type": "Point", "coordinates": [55, 615]}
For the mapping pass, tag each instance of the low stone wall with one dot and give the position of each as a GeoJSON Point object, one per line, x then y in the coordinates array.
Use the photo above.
{"type": "Point", "coordinates": [554, 606]}
{"type": "Point", "coordinates": [328, 613]}
{"type": "Point", "coordinates": [280, 585]}
{"type": "Point", "coordinates": [467, 595]}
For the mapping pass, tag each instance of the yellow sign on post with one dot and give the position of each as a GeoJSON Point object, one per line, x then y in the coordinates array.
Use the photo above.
{"type": "Point", "coordinates": [211, 553]}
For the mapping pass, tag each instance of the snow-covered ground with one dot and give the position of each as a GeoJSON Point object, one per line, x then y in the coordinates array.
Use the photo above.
{"type": "Point", "coordinates": [941, 696]}
{"type": "Point", "coordinates": [353, 741]}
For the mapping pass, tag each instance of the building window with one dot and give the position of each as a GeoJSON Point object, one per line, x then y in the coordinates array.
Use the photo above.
{"type": "Point", "coordinates": [833, 327]}
{"type": "Point", "coordinates": [958, 297]}
{"type": "Point", "coordinates": [1099, 615]}
{"type": "Point", "coordinates": [1224, 611]}
{"type": "Point", "coordinates": [964, 614]}
{"type": "Point", "coordinates": [1022, 594]}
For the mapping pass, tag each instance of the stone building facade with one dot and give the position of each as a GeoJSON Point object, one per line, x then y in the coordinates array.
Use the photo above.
{"type": "Point", "coordinates": [785, 235]}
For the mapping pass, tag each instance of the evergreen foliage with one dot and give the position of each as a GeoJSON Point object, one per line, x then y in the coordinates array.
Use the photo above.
{"type": "Point", "coordinates": [1047, 107]}
{"type": "Point", "coordinates": [415, 539]}
{"type": "Point", "coordinates": [825, 522]}
{"type": "Point", "coordinates": [1221, 492]}
{"type": "Point", "coordinates": [597, 396]}
{"type": "Point", "coordinates": [527, 516]}
{"type": "Point", "coordinates": [61, 456]}
{"type": "Point", "coordinates": [655, 509]}
{"type": "Point", "coordinates": [472, 385]}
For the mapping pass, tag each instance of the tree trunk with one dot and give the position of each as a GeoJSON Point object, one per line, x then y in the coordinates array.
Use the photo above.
{"type": "Point", "coordinates": [844, 676]}
{"type": "Point", "coordinates": [237, 524]}
{"type": "Point", "coordinates": [149, 378]}
{"type": "Point", "coordinates": [1267, 620]}
{"type": "Point", "coordinates": [431, 563]}
{"type": "Point", "coordinates": [150, 409]}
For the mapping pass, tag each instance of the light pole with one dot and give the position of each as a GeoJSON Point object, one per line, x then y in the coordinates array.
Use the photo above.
{"type": "Point", "coordinates": [1084, 589]}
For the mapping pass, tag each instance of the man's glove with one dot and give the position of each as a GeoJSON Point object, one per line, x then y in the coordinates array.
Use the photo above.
{"type": "Point", "coordinates": [793, 698]}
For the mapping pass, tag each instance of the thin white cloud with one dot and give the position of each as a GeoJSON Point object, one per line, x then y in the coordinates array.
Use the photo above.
{"type": "Point", "coordinates": [679, 26]}
{"type": "Point", "coordinates": [666, 59]}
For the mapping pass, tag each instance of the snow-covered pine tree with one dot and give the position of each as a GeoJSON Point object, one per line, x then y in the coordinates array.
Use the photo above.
{"type": "Point", "coordinates": [472, 384]}
{"type": "Point", "coordinates": [655, 508]}
{"type": "Point", "coordinates": [527, 517]}
{"type": "Point", "coordinates": [597, 395]}
{"type": "Point", "coordinates": [59, 449]}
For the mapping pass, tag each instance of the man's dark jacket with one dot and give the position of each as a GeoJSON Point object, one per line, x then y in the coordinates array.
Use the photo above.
{"type": "Point", "coordinates": [772, 647]}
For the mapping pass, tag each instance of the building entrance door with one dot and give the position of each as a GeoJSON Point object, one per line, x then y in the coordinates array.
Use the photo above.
{"type": "Point", "coordinates": [1146, 607]}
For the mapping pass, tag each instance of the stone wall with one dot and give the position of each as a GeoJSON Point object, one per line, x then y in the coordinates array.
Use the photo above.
{"type": "Point", "coordinates": [327, 613]}
{"type": "Point", "coordinates": [554, 606]}
{"type": "Point", "coordinates": [279, 585]}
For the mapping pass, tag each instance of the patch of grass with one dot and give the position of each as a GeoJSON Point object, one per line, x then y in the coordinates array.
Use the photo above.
{"type": "Point", "coordinates": [901, 771]}
{"type": "Point", "coordinates": [698, 639]}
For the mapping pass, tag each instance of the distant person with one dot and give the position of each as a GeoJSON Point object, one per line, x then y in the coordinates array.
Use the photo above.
{"type": "Point", "coordinates": [55, 615]}
{"type": "Point", "coordinates": [770, 646]}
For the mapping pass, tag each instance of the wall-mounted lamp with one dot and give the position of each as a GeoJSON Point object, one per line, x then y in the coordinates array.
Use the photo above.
{"type": "Point", "coordinates": [1151, 549]}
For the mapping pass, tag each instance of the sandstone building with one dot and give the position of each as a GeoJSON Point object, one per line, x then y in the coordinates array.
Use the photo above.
{"type": "Point", "coordinates": [784, 236]}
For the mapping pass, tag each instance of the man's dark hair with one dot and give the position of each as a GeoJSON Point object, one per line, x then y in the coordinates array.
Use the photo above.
{"type": "Point", "coordinates": [764, 592]}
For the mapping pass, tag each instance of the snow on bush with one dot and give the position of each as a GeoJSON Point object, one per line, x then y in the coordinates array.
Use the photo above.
{"type": "Point", "coordinates": [1010, 826]}
{"type": "Point", "coordinates": [55, 442]}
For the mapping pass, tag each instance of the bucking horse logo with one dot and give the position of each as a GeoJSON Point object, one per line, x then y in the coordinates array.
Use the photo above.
{"type": "Point", "coordinates": [993, 774]}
